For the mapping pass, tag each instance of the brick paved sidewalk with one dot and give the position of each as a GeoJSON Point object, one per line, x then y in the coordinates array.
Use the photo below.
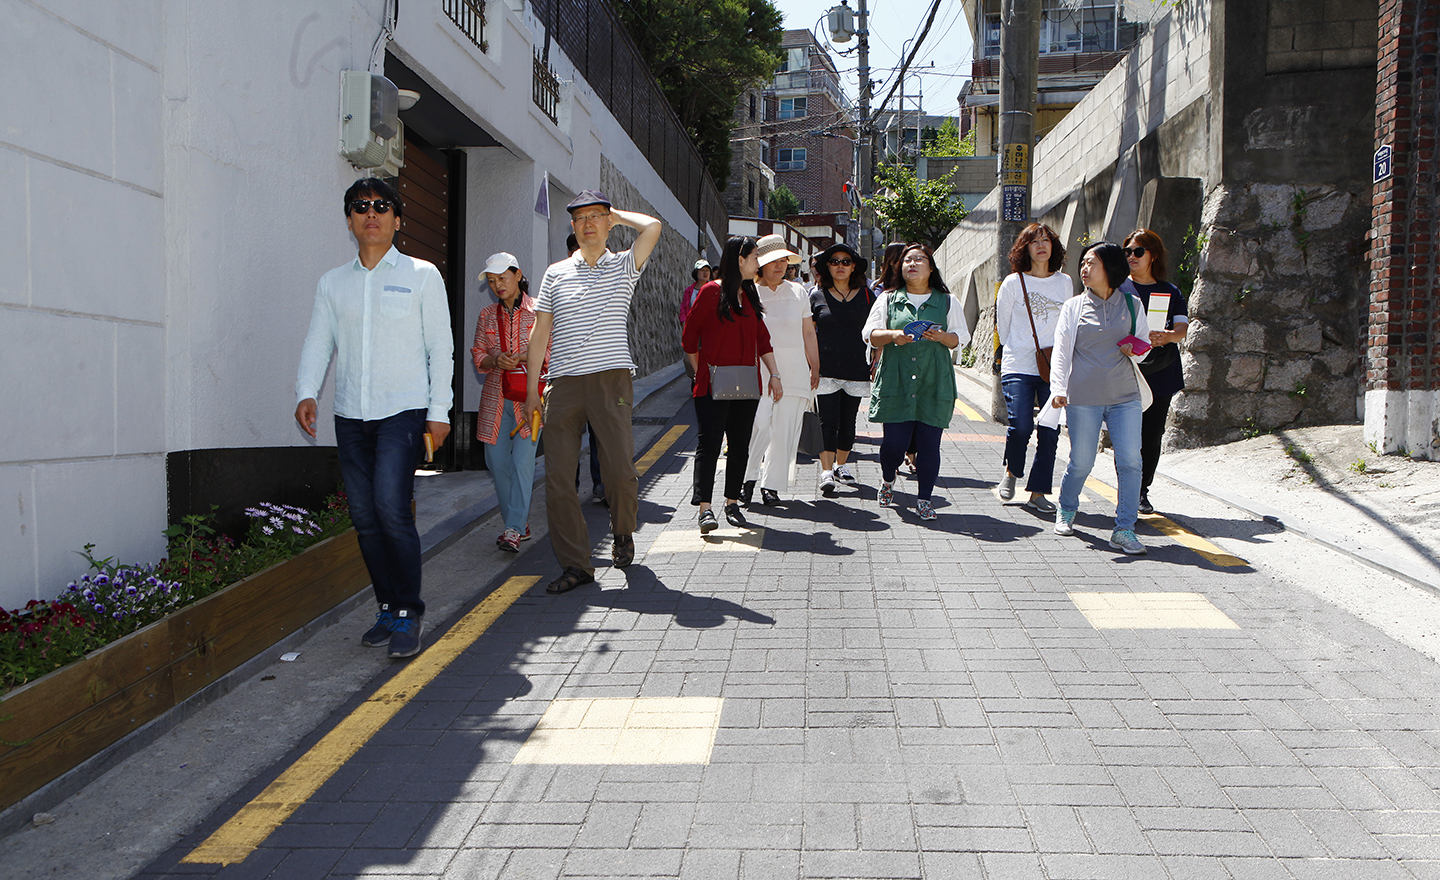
{"type": "Point", "coordinates": [849, 692]}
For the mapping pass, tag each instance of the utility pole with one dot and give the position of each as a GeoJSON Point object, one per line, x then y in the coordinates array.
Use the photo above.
{"type": "Point", "coordinates": [1019, 62]}
{"type": "Point", "coordinates": [866, 137]}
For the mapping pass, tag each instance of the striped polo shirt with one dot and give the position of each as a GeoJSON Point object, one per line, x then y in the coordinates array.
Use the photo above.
{"type": "Point", "coordinates": [591, 311]}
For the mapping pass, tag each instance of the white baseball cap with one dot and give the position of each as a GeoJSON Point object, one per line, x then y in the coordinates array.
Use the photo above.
{"type": "Point", "coordinates": [497, 264]}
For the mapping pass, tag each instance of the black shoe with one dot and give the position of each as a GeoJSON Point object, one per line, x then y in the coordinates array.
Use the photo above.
{"type": "Point", "coordinates": [1145, 505]}
{"type": "Point", "coordinates": [708, 523]}
{"type": "Point", "coordinates": [734, 517]}
{"type": "Point", "coordinates": [379, 634]}
{"type": "Point", "coordinates": [769, 497]}
{"type": "Point", "coordinates": [569, 579]}
{"type": "Point", "coordinates": [405, 634]}
{"type": "Point", "coordinates": [623, 553]}
{"type": "Point", "coordinates": [747, 492]}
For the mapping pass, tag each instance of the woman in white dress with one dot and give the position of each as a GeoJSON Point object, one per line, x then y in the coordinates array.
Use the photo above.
{"type": "Point", "coordinates": [776, 434]}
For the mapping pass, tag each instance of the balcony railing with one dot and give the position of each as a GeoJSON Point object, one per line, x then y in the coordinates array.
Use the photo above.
{"type": "Point", "coordinates": [469, 17]}
{"type": "Point", "coordinates": [546, 89]}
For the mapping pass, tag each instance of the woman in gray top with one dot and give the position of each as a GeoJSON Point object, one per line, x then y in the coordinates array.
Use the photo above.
{"type": "Point", "coordinates": [1094, 380]}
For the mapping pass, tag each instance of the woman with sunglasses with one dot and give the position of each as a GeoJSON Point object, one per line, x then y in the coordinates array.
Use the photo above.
{"type": "Point", "coordinates": [1025, 313]}
{"type": "Point", "coordinates": [913, 395]}
{"type": "Point", "coordinates": [1145, 253]}
{"type": "Point", "coordinates": [840, 303]}
{"type": "Point", "coordinates": [725, 328]}
{"type": "Point", "coordinates": [502, 342]}
{"type": "Point", "coordinates": [776, 434]}
{"type": "Point", "coordinates": [1093, 379]}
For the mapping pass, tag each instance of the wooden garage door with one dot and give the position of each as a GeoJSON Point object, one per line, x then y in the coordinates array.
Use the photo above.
{"type": "Point", "coordinates": [425, 190]}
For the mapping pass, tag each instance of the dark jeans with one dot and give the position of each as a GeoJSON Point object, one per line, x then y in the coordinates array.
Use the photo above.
{"type": "Point", "coordinates": [377, 462]}
{"type": "Point", "coordinates": [899, 438]}
{"type": "Point", "coordinates": [718, 420]}
{"type": "Point", "coordinates": [1152, 431]}
{"type": "Point", "coordinates": [837, 420]}
{"type": "Point", "coordinates": [1023, 393]}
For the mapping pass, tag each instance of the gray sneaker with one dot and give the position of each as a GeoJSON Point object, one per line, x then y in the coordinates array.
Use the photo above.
{"type": "Point", "coordinates": [1041, 504]}
{"type": "Point", "coordinates": [1007, 487]}
{"type": "Point", "coordinates": [1124, 539]}
{"type": "Point", "coordinates": [1064, 521]}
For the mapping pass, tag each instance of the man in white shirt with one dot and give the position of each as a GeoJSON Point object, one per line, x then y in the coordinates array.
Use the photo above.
{"type": "Point", "coordinates": [386, 318]}
{"type": "Point", "coordinates": [583, 314]}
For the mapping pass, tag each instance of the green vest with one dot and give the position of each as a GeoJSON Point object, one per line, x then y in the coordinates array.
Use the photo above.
{"type": "Point", "coordinates": [916, 381]}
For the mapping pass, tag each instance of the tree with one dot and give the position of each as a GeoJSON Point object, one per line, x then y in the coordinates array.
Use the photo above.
{"type": "Point", "coordinates": [705, 54]}
{"type": "Point", "coordinates": [912, 210]}
{"type": "Point", "coordinates": [782, 203]}
{"type": "Point", "coordinates": [947, 141]}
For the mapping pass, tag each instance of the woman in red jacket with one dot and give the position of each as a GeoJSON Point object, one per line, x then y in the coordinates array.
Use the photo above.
{"type": "Point", "coordinates": [724, 328]}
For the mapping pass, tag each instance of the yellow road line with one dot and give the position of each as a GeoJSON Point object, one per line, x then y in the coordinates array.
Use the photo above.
{"type": "Point", "coordinates": [1173, 530]}
{"type": "Point", "coordinates": [255, 821]}
{"type": "Point", "coordinates": [967, 412]}
{"type": "Point", "coordinates": [661, 446]}
{"type": "Point", "coordinates": [248, 828]}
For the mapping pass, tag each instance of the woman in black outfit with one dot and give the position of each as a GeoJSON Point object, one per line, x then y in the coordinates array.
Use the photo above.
{"type": "Point", "coordinates": [840, 304]}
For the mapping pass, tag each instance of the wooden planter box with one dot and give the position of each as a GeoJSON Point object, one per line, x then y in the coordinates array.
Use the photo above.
{"type": "Point", "coordinates": [53, 724]}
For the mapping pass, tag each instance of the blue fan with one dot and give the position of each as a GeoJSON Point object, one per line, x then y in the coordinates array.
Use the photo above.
{"type": "Point", "coordinates": [916, 329]}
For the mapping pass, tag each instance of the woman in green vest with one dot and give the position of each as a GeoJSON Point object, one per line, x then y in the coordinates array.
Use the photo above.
{"type": "Point", "coordinates": [913, 395]}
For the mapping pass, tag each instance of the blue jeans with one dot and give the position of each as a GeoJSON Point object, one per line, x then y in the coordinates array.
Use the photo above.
{"type": "Point", "coordinates": [377, 462]}
{"type": "Point", "coordinates": [1123, 420]}
{"type": "Point", "coordinates": [511, 461]}
{"type": "Point", "coordinates": [1023, 393]}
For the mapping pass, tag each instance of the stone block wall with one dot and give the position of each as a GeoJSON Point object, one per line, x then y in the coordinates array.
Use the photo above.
{"type": "Point", "coordinates": [654, 313]}
{"type": "Point", "coordinates": [1275, 318]}
{"type": "Point", "coordinates": [1307, 35]}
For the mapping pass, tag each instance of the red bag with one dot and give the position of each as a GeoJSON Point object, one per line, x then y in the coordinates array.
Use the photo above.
{"type": "Point", "coordinates": [514, 383]}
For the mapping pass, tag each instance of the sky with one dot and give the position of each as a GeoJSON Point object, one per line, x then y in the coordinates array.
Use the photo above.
{"type": "Point", "coordinates": [892, 22]}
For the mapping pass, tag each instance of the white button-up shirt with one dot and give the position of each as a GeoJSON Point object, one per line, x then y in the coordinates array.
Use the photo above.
{"type": "Point", "coordinates": [390, 329]}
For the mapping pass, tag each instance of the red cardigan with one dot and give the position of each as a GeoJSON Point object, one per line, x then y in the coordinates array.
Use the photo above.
{"type": "Point", "coordinates": [723, 343]}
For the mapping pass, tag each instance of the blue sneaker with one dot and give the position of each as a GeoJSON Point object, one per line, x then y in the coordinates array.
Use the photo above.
{"type": "Point", "coordinates": [379, 634]}
{"type": "Point", "coordinates": [405, 634]}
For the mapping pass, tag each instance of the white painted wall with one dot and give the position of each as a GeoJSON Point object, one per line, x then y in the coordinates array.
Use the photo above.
{"type": "Point", "coordinates": [173, 189]}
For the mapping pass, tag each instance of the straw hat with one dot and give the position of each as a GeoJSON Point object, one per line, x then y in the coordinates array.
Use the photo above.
{"type": "Point", "coordinates": [771, 248]}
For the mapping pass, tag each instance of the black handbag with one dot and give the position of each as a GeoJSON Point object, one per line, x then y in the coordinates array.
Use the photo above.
{"type": "Point", "coordinates": [812, 435]}
{"type": "Point", "coordinates": [740, 382]}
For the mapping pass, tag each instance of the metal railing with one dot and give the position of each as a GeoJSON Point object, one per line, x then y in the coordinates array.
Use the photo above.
{"type": "Point", "coordinates": [469, 17]}
{"type": "Point", "coordinates": [606, 57]}
{"type": "Point", "coordinates": [546, 90]}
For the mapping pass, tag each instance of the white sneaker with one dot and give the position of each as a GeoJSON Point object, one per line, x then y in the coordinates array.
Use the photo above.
{"type": "Point", "coordinates": [1065, 521]}
{"type": "Point", "coordinates": [827, 483]}
{"type": "Point", "coordinates": [842, 473]}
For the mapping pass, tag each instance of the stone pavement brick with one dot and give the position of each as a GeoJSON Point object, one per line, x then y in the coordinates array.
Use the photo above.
{"type": "Point", "coordinates": [1083, 866]}
{"type": "Point", "coordinates": [710, 864]}
{"type": "Point", "coordinates": [1113, 830]}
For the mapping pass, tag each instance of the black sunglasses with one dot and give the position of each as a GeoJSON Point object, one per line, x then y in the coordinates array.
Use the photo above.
{"type": "Point", "coordinates": [362, 206]}
{"type": "Point", "coordinates": [1136, 252]}
{"type": "Point", "coordinates": [842, 262]}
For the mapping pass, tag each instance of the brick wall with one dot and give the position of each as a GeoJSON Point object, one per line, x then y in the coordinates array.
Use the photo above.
{"type": "Point", "coordinates": [1308, 35]}
{"type": "Point", "coordinates": [1400, 348]}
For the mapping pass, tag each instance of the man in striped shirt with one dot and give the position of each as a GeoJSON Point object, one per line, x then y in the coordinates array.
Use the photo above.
{"type": "Point", "coordinates": [583, 313]}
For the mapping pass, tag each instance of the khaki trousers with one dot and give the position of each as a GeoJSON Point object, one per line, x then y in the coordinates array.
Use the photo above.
{"type": "Point", "coordinates": [605, 400]}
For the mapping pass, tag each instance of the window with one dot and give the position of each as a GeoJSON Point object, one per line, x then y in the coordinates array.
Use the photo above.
{"type": "Point", "coordinates": [800, 206]}
{"type": "Point", "coordinates": [750, 199]}
{"type": "Point", "coordinates": [788, 159]}
{"type": "Point", "coordinates": [752, 105]}
{"type": "Point", "coordinates": [794, 59]}
{"type": "Point", "coordinates": [792, 108]}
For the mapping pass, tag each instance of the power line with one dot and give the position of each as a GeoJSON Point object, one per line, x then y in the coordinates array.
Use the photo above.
{"type": "Point", "coordinates": [919, 41]}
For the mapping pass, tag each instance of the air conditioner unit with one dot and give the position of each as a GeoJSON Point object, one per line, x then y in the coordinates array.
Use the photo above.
{"type": "Point", "coordinates": [369, 117]}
